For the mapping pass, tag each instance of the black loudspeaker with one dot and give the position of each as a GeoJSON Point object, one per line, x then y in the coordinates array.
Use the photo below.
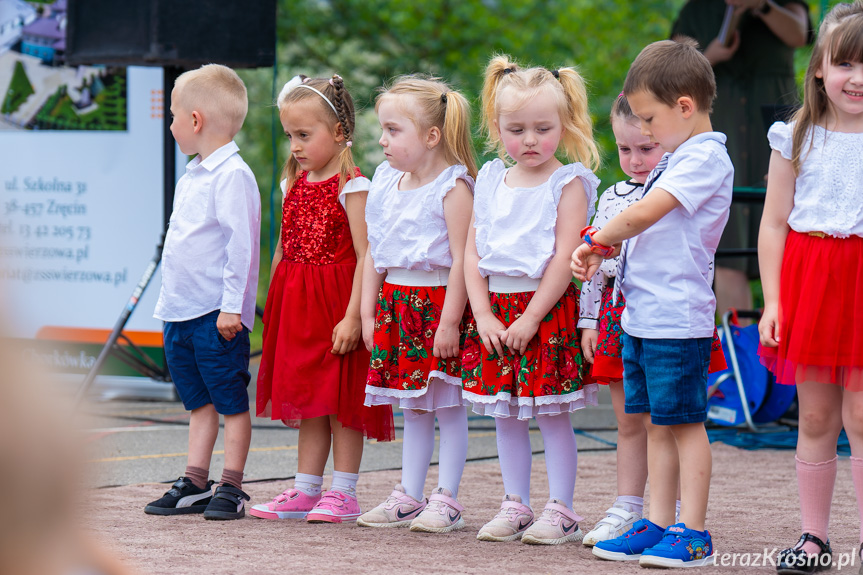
{"type": "Point", "coordinates": [182, 33]}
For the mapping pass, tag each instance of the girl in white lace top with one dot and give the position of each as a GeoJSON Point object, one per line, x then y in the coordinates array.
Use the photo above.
{"type": "Point", "coordinates": [522, 357]}
{"type": "Point", "coordinates": [810, 250]}
{"type": "Point", "coordinates": [414, 297]}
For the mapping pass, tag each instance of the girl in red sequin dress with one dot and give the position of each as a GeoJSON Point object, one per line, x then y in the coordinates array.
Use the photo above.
{"type": "Point", "coordinates": [313, 368]}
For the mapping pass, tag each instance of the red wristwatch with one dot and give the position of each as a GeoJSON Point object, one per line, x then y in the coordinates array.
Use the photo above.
{"type": "Point", "coordinates": [595, 247]}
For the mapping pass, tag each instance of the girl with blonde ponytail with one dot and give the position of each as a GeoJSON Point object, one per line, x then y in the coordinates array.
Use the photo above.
{"type": "Point", "coordinates": [522, 356]}
{"type": "Point", "coordinates": [414, 295]}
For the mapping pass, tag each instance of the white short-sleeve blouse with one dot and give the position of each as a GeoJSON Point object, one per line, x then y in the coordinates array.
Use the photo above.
{"type": "Point", "coordinates": [515, 226]}
{"type": "Point", "coordinates": [407, 228]}
{"type": "Point", "coordinates": [828, 193]}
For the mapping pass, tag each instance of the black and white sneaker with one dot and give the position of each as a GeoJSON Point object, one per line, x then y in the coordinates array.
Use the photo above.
{"type": "Point", "coordinates": [183, 498]}
{"type": "Point", "coordinates": [228, 503]}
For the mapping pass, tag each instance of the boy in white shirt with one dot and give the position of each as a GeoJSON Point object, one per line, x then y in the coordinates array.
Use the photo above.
{"type": "Point", "coordinates": [209, 285]}
{"type": "Point", "coordinates": [666, 276]}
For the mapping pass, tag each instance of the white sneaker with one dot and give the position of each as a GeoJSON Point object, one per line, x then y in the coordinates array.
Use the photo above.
{"type": "Point", "coordinates": [616, 522]}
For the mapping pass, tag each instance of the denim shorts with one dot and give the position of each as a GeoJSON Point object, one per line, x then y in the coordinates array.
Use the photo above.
{"type": "Point", "coordinates": [207, 368]}
{"type": "Point", "coordinates": [666, 378]}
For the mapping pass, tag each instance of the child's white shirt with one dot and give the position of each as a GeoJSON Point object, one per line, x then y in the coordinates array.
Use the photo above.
{"type": "Point", "coordinates": [611, 202]}
{"type": "Point", "coordinates": [515, 227]}
{"type": "Point", "coordinates": [668, 272]}
{"type": "Point", "coordinates": [211, 255]}
{"type": "Point", "coordinates": [828, 192]}
{"type": "Point", "coordinates": [407, 228]}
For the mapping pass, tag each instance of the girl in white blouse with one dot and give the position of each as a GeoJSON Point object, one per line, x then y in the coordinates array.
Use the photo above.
{"type": "Point", "coordinates": [522, 358]}
{"type": "Point", "coordinates": [414, 296]}
{"type": "Point", "coordinates": [810, 249]}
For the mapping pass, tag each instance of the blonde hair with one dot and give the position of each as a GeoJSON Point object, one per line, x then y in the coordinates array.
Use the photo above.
{"type": "Point", "coordinates": [217, 92]}
{"type": "Point", "coordinates": [442, 107]}
{"type": "Point", "coordinates": [338, 109]}
{"type": "Point", "coordinates": [671, 69]}
{"type": "Point", "coordinates": [565, 84]}
{"type": "Point", "coordinates": [840, 37]}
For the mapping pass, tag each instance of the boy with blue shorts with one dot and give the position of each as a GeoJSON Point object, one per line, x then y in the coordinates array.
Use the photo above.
{"type": "Point", "coordinates": [209, 285]}
{"type": "Point", "coordinates": [667, 242]}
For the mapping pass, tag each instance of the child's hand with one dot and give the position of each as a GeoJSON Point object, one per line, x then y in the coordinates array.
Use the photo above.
{"type": "Point", "coordinates": [369, 332]}
{"type": "Point", "coordinates": [768, 327]}
{"type": "Point", "coordinates": [446, 339]}
{"type": "Point", "coordinates": [589, 337]}
{"type": "Point", "coordinates": [229, 325]}
{"type": "Point", "coordinates": [346, 335]}
{"type": "Point", "coordinates": [584, 263]}
{"type": "Point", "coordinates": [519, 333]}
{"type": "Point", "coordinates": [490, 331]}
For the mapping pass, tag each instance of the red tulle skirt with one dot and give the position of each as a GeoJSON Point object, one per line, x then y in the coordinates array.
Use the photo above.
{"type": "Point", "coordinates": [607, 360]}
{"type": "Point", "coordinates": [820, 312]}
{"type": "Point", "coordinates": [300, 378]}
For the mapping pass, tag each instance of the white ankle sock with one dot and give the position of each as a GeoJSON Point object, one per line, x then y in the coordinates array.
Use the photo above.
{"type": "Point", "coordinates": [677, 511]}
{"type": "Point", "coordinates": [345, 482]}
{"type": "Point", "coordinates": [308, 484]}
{"type": "Point", "coordinates": [631, 503]}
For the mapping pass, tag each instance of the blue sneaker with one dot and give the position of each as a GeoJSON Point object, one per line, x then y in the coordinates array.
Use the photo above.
{"type": "Point", "coordinates": [630, 545]}
{"type": "Point", "coordinates": [680, 547]}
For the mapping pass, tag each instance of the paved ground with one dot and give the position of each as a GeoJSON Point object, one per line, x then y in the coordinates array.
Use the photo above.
{"type": "Point", "coordinates": [131, 442]}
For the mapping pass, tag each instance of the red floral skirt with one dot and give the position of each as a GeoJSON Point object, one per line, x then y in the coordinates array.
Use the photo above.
{"type": "Point", "coordinates": [403, 370]}
{"type": "Point", "coordinates": [550, 378]}
{"type": "Point", "coordinates": [607, 361]}
{"type": "Point", "coordinates": [820, 312]}
{"type": "Point", "coordinates": [300, 378]}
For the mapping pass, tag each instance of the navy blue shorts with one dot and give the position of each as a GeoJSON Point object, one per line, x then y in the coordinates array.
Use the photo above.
{"type": "Point", "coordinates": [666, 378]}
{"type": "Point", "coordinates": [207, 368]}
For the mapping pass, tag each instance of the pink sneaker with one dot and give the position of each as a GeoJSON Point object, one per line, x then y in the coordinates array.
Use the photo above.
{"type": "Point", "coordinates": [335, 507]}
{"type": "Point", "coordinates": [510, 522]}
{"type": "Point", "coordinates": [292, 504]}
{"type": "Point", "coordinates": [398, 510]}
{"type": "Point", "coordinates": [441, 515]}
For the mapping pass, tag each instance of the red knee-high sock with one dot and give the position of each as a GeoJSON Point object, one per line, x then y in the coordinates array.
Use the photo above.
{"type": "Point", "coordinates": [857, 475]}
{"type": "Point", "coordinates": [815, 484]}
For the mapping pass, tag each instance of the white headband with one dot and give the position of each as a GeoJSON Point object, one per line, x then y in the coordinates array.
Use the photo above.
{"type": "Point", "coordinates": [297, 82]}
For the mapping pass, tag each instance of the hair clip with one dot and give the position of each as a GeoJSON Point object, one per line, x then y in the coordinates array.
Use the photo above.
{"type": "Point", "coordinates": [443, 97]}
{"type": "Point", "coordinates": [555, 73]}
{"type": "Point", "coordinates": [508, 71]}
{"type": "Point", "coordinates": [333, 84]}
{"type": "Point", "coordinates": [349, 143]}
{"type": "Point", "coordinates": [306, 79]}
{"type": "Point", "coordinates": [619, 96]}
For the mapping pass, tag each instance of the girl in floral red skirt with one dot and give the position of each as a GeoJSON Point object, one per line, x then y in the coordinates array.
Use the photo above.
{"type": "Point", "coordinates": [522, 357]}
{"type": "Point", "coordinates": [414, 296]}
{"type": "Point", "coordinates": [810, 249]}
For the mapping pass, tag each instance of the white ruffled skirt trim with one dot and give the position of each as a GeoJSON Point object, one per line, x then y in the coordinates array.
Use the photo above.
{"type": "Point", "coordinates": [443, 390]}
{"type": "Point", "coordinates": [504, 405]}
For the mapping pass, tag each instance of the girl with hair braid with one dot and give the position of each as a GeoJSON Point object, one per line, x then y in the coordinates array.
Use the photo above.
{"type": "Point", "coordinates": [414, 295]}
{"type": "Point", "coordinates": [522, 357]}
{"type": "Point", "coordinates": [313, 369]}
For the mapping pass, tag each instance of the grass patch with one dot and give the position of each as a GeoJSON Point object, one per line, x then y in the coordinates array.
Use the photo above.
{"type": "Point", "coordinates": [59, 112]}
{"type": "Point", "coordinates": [18, 91]}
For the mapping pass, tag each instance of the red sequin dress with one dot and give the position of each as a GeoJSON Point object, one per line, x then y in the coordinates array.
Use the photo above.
{"type": "Point", "coordinates": [299, 377]}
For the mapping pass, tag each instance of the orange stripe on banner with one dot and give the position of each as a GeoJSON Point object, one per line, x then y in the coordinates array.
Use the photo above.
{"type": "Point", "coordinates": [100, 336]}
